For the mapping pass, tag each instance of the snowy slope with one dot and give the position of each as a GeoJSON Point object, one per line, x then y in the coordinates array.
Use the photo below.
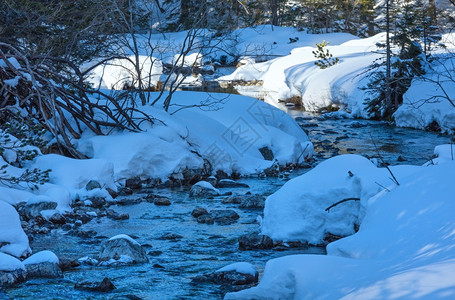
{"type": "Point", "coordinates": [296, 74]}
{"type": "Point", "coordinates": [228, 131]}
{"type": "Point", "coordinates": [404, 249]}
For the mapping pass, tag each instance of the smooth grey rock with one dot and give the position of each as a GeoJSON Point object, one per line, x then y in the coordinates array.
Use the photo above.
{"type": "Point", "coordinates": [44, 270]}
{"type": "Point", "coordinates": [162, 201]}
{"type": "Point", "coordinates": [92, 184]}
{"type": "Point", "coordinates": [205, 219]}
{"type": "Point", "coordinates": [255, 241]}
{"type": "Point", "coordinates": [114, 248]}
{"type": "Point", "coordinates": [224, 213]}
{"type": "Point", "coordinates": [199, 211]}
{"type": "Point", "coordinates": [105, 285]}
{"type": "Point", "coordinates": [253, 202]}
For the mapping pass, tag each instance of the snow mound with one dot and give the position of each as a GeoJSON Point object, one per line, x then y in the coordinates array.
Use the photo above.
{"type": "Point", "coordinates": [404, 249]}
{"type": "Point", "coordinates": [297, 211]}
{"type": "Point", "coordinates": [9, 263]}
{"type": "Point", "coordinates": [225, 130]}
{"type": "Point", "coordinates": [13, 239]}
{"type": "Point", "coordinates": [75, 173]}
{"type": "Point", "coordinates": [42, 256]}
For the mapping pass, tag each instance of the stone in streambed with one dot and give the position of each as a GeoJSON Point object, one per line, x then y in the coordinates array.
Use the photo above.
{"type": "Point", "coordinates": [120, 248]}
{"type": "Point", "coordinates": [255, 241]}
{"type": "Point", "coordinates": [104, 286]}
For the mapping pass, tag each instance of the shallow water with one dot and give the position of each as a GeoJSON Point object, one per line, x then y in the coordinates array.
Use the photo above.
{"type": "Point", "coordinates": [205, 248]}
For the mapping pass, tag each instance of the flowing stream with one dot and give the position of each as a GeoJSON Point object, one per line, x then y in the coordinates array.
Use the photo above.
{"type": "Point", "coordinates": [199, 248]}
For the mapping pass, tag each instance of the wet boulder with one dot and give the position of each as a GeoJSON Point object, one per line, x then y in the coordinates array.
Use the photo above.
{"type": "Point", "coordinates": [203, 189]}
{"type": "Point", "coordinates": [104, 286]}
{"type": "Point", "coordinates": [44, 264]}
{"type": "Point", "coordinates": [122, 249]}
{"type": "Point", "coordinates": [161, 201]}
{"type": "Point", "coordinates": [12, 270]}
{"type": "Point", "coordinates": [253, 202]}
{"type": "Point", "coordinates": [134, 183]}
{"type": "Point", "coordinates": [241, 273]}
{"type": "Point", "coordinates": [255, 241]}
{"type": "Point", "coordinates": [249, 201]}
{"type": "Point", "coordinates": [199, 211]}
{"type": "Point", "coordinates": [224, 216]}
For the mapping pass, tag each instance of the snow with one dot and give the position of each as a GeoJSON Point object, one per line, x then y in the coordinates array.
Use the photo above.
{"type": "Point", "coordinates": [296, 212]}
{"type": "Point", "coordinates": [14, 196]}
{"type": "Point", "coordinates": [13, 240]}
{"type": "Point", "coordinates": [207, 185]}
{"type": "Point", "coordinates": [126, 237]}
{"type": "Point", "coordinates": [10, 263]}
{"type": "Point", "coordinates": [239, 267]}
{"type": "Point", "coordinates": [228, 130]}
{"type": "Point", "coordinates": [429, 97]}
{"type": "Point", "coordinates": [75, 173]}
{"type": "Point", "coordinates": [296, 75]}
{"type": "Point", "coordinates": [42, 256]}
{"type": "Point", "coordinates": [119, 73]}
{"type": "Point", "coordinates": [404, 249]}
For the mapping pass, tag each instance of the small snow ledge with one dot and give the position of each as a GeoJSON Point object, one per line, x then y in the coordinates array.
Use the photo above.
{"type": "Point", "coordinates": [240, 267]}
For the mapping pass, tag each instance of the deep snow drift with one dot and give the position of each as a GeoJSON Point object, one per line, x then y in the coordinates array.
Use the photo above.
{"type": "Point", "coordinates": [227, 131]}
{"type": "Point", "coordinates": [404, 248]}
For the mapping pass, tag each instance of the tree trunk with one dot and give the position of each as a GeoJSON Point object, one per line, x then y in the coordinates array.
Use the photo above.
{"type": "Point", "coordinates": [432, 11]}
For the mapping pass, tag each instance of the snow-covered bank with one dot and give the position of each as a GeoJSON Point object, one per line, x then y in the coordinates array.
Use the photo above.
{"type": "Point", "coordinates": [297, 75]}
{"type": "Point", "coordinates": [431, 98]}
{"type": "Point", "coordinates": [404, 248]}
{"type": "Point", "coordinates": [227, 132]}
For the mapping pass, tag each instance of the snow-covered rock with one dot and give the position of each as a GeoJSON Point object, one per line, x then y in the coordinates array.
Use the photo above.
{"type": "Point", "coordinates": [240, 273]}
{"type": "Point", "coordinates": [203, 189]}
{"type": "Point", "coordinates": [12, 270]}
{"type": "Point", "coordinates": [13, 239]}
{"type": "Point", "coordinates": [297, 211]}
{"type": "Point", "coordinates": [44, 264]}
{"type": "Point", "coordinates": [37, 204]}
{"type": "Point", "coordinates": [404, 249]}
{"type": "Point", "coordinates": [122, 249]}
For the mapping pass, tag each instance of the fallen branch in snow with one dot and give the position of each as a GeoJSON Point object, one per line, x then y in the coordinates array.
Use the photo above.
{"type": "Point", "coordinates": [341, 201]}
